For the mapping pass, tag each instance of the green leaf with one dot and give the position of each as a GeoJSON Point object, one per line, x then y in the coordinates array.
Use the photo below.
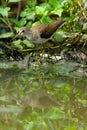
{"type": "Point", "coordinates": [52, 3]}
{"type": "Point", "coordinates": [45, 19]}
{"type": "Point", "coordinates": [57, 11]}
{"type": "Point", "coordinates": [22, 22]}
{"type": "Point", "coordinates": [28, 43]}
{"type": "Point", "coordinates": [12, 1]}
{"type": "Point", "coordinates": [6, 35]}
{"type": "Point", "coordinates": [4, 11]}
{"type": "Point", "coordinates": [32, 3]}
{"type": "Point", "coordinates": [28, 14]}
{"type": "Point", "coordinates": [43, 9]}
{"type": "Point", "coordinates": [59, 36]}
{"type": "Point", "coordinates": [17, 43]}
{"type": "Point", "coordinates": [19, 23]}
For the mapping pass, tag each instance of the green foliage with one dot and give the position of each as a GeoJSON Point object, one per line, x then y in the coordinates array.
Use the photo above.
{"type": "Point", "coordinates": [32, 3]}
{"type": "Point", "coordinates": [14, 1]}
{"type": "Point", "coordinates": [28, 14]}
{"type": "Point", "coordinates": [36, 12]}
{"type": "Point", "coordinates": [4, 11]}
{"type": "Point", "coordinates": [6, 35]}
{"type": "Point", "coordinates": [33, 11]}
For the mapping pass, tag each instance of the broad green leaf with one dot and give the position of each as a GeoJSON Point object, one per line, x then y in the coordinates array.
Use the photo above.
{"type": "Point", "coordinates": [41, 10]}
{"type": "Point", "coordinates": [12, 1]}
{"type": "Point", "coordinates": [44, 9]}
{"type": "Point", "coordinates": [59, 36]}
{"type": "Point", "coordinates": [28, 14]}
{"type": "Point", "coordinates": [45, 19]}
{"type": "Point", "coordinates": [17, 43]}
{"type": "Point", "coordinates": [57, 11]}
{"type": "Point", "coordinates": [4, 11]}
{"type": "Point", "coordinates": [19, 23]}
{"type": "Point", "coordinates": [6, 35]}
{"type": "Point", "coordinates": [53, 3]}
{"type": "Point", "coordinates": [32, 3]}
{"type": "Point", "coordinates": [22, 22]}
{"type": "Point", "coordinates": [28, 43]}
{"type": "Point", "coordinates": [36, 23]}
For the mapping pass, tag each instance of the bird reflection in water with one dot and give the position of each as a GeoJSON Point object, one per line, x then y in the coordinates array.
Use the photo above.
{"type": "Point", "coordinates": [39, 99]}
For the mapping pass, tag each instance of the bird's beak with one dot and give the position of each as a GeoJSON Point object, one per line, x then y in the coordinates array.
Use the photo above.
{"type": "Point", "coordinates": [15, 36]}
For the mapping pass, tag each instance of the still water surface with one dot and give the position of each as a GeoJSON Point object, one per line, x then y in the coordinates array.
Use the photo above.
{"type": "Point", "coordinates": [42, 100]}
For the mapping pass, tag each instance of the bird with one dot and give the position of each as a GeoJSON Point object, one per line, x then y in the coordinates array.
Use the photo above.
{"type": "Point", "coordinates": [41, 33]}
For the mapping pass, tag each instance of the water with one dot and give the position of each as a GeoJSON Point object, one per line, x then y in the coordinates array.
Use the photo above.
{"type": "Point", "coordinates": [42, 99]}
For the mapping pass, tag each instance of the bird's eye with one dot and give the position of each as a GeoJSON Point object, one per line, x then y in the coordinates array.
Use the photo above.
{"type": "Point", "coordinates": [23, 31]}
